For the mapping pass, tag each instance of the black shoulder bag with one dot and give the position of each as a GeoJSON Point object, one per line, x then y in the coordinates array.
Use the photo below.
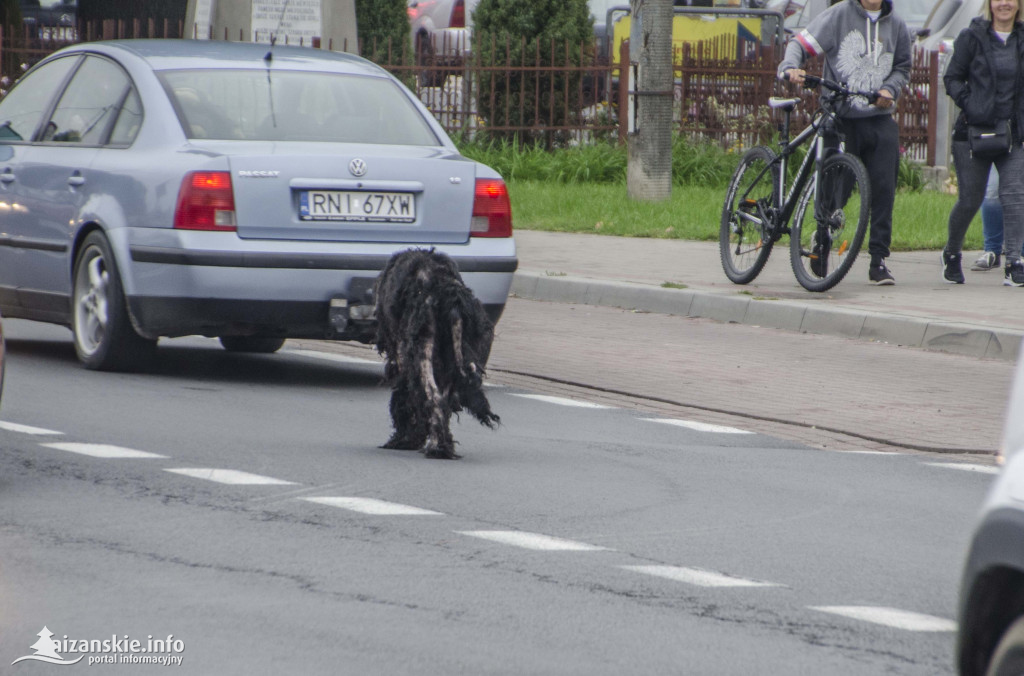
{"type": "Point", "coordinates": [989, 141]}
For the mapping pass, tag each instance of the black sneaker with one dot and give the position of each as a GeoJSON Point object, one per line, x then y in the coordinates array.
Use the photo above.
{"type": "Point", "coordinates": [987, 261]}
{"type": "Point", "coordinates": [952, 273]}
{"type": "Point", "coordinates": [880, 275]}
{"type": "Point", "coordinates": [1013, 274]}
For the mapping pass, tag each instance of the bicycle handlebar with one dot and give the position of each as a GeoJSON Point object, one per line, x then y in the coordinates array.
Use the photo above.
{"type": "Point", "coordinates": [813, 82]}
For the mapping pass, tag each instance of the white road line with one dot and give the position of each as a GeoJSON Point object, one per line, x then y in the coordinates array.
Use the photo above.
{"type": "Point", "coordinates": [25, 429]}
{"type": "Point", "coordinates": [330, 356]}
{"type": "Point", "coordinates": [532, 541]}
{"type": "Point", "coordinates": [561, 401]}
{"type": "Point", "coordinates": [698, 426]}
{"type": "Point", "coordinates": [891, 617]}
{"type": "Point", "coordinates": [102, 450]}
{"type": "Point", "coordinates": [372, 506]}
{"type": "Point", "coordinates": [840, 450]}
{"type": "Point", "coordinates": [229, 476]}
{"type": "Point", "coordinates": [967, 467]}
{"type": "Point", "coordinates": [700, 578]}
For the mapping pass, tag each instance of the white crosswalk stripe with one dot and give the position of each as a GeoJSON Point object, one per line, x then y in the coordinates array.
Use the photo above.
{"type": "Point", "coordinates": [26, 429]}
{"type": "Point", "coordinates": [561, 401]}
{"type": "Point", "coordinates": [372, 506]}
{"type": "Point", "coordinates": [966, 467]}
{"type": "Point", "coordinates": [229, 476]}
{"type": "Point", "coordinates": [698, 577]}
{"type": "Point", "coordinates": [891, 617]}
{"type": "Point", "coordinates": [533, 541]}
{"type": "Point", "coordinates": [102, 450]}
{"type": "Point", "coordinates": [330, 356]}
{"type": "Point", "coordinates": [698, 426]}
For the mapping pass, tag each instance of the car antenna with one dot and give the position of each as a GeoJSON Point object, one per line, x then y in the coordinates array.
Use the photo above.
{"type": "Point", "coordinates": [270, 57]}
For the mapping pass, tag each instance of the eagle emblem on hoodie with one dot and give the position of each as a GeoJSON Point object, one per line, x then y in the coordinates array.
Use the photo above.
{"type": "Point", "coordinates": [864, 66]}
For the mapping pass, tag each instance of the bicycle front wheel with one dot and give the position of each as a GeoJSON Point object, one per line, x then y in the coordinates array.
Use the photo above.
{"type": "Point", "coordinates": [829, 225]}
{"type": "Point", "coordinates": [746, 234]}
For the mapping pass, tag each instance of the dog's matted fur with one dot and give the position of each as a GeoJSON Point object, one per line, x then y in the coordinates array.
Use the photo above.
{"type": "Point", "coordinates": [436, 338]}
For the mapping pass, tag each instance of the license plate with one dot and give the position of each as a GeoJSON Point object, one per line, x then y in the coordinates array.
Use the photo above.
{"type": "Point", "coordinates": [352, 205]}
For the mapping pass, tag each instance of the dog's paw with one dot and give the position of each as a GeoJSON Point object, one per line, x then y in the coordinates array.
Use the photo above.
{"type": "Point", "coordinates": [401, 444]}
{"type": "Point", "coordinates": [441, 454]}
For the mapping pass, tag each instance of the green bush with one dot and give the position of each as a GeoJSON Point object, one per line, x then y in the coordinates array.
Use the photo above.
{"type": "Point", "coordinates": [692, 164]}
{"type": "Point", "coordinates": [517, 33]}
{"type": "Point", "coordinates": [910, 176]}
{"type": "Point", "coordinates": [384, 30]}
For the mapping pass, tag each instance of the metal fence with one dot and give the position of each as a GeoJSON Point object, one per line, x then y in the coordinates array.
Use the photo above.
{"type": "Point", "coordinates": [562, 93]}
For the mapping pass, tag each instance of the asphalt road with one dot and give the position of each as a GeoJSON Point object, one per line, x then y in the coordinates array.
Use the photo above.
{"type": "Point", "coordinates": [599, 530]}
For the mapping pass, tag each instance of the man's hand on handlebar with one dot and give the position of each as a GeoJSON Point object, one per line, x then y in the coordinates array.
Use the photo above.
{"type": "Point", "coordinates": [795, 75]}
{"type": "Point", "coordinates": [884, 99]}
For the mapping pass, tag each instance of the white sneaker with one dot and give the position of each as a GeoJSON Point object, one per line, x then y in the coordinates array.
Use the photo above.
{"type": "Point", "coordinates": [988, 261]}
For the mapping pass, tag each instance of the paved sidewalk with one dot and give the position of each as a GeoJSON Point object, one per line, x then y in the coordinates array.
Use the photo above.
{"type": "Point", "coordinates": [981, 318]}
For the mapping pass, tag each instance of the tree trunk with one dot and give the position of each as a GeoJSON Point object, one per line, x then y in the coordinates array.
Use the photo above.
{"type": "Point", "coordinates": [649, 168]}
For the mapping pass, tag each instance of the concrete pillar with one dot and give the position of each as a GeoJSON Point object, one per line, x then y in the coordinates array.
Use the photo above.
{"type": "Point", "coordinates": [649, 168]}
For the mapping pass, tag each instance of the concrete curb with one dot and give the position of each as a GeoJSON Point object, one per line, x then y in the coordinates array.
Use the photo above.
{"type": "Point", "coordinates": [929, 334]}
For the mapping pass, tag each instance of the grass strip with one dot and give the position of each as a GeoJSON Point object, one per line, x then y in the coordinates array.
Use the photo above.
{"type": "Point", "coordinates": [694, 212]}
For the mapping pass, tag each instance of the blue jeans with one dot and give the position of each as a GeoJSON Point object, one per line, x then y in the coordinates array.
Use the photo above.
{"type": "Point", "coordinates": [992, 215]}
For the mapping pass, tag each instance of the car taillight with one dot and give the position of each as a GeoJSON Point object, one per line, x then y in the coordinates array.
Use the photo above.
{"type": "Point", "coordinates": [492, 210]}
{"type": "Point", "coordinates": [205, 202]}
{"type": "Point", "coordinates": [458, 15]}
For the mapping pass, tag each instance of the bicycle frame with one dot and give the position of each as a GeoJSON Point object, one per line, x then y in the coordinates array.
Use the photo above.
{"type": "Point", "coordinates": [811, 164]}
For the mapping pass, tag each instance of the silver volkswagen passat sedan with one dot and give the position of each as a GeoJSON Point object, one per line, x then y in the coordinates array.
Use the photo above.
{"type": "Point", "coordinates": [162, 188]}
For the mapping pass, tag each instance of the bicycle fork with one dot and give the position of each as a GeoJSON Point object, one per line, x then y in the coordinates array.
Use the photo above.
{"type": "Point", "coordinates": [829, 217]}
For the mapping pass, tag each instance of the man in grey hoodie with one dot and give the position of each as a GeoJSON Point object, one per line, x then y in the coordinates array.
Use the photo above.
{"type": "Point", "coordinates": [866, 47]}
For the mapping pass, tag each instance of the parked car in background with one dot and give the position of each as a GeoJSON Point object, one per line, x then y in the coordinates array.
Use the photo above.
{"type": "Point", "coordinates": [990, 641]}
{"type": "Point", "coordinates": [161, 188]}
{"type": "Point", "coordinates": [442, 30]}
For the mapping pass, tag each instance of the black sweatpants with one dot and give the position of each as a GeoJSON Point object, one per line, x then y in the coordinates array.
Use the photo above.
{"type": "Point", "coordinates": [876, 141]}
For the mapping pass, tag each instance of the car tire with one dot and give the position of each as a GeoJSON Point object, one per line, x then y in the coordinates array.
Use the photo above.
{"type": "Point", "coordinates": [260, 344]}
{"type": "Point", "coordinates": [1008, 658]}
{"type": "Point", "coordinates": [103, 334]}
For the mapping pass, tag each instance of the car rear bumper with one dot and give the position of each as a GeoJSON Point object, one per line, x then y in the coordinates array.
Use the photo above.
{"type": "Point", "coordinates": [215, 284]}
{"type": "Point", "coordinates": [169, 317]}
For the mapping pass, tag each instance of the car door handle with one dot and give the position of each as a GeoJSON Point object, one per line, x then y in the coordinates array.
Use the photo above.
{"type": "Point", "coordinates": [76, 180]}
{"type": "Point", "coordinates": [7, 176]}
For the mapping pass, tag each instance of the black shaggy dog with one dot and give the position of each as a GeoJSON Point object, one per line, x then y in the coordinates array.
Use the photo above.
{"type": "Point", "coordinates": [436, 339]}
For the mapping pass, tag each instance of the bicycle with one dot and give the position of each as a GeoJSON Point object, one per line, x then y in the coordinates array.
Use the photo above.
{"type": "Point", "coordinates": [830, 195]}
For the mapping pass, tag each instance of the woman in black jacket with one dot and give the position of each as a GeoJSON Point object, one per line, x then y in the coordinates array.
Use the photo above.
{"type": "Point", "coordinates": [984, 78]}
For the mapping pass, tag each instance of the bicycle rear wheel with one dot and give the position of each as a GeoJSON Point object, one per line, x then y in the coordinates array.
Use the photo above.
{"type": "Point", "coordinates": [746, 234]}
{"type": "Point", "coordinates": [826, 236]}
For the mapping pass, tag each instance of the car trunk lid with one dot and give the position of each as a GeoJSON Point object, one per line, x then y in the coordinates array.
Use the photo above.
{"type": "Point", "coordinates": [351, 193]}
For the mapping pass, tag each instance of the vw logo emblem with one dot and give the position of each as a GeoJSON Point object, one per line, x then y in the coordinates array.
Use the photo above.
{"type": "Point", "coordinates": [357, 167]}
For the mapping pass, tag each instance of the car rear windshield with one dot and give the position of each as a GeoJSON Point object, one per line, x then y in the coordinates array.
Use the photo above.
{"type": "Point", "coordinates": [295, 106]}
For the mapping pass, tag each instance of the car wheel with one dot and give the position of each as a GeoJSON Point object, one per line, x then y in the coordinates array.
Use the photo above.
{"type": "Point", "coordinates": [104, 337]}
{"type": "Point", "coordinates": [263, 344]}
{"type": "Point", "coordinates": [1008, 659]}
